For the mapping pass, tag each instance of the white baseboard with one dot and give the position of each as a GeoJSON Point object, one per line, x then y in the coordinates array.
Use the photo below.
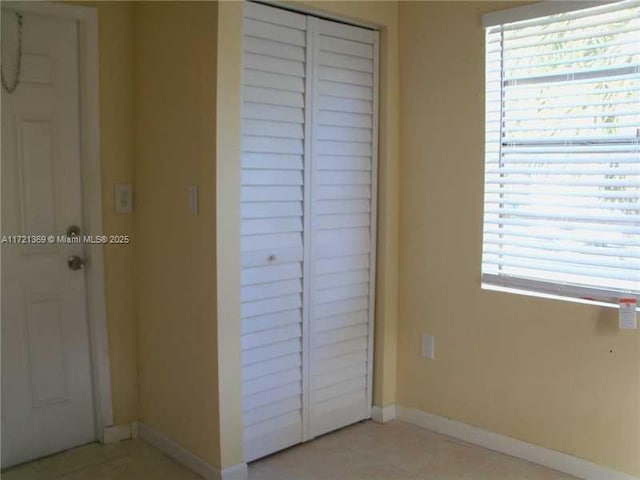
{"type": "Point", "coordinates": [116, 433]}
{"type": "Point", "coordinates": [577, 467]}
{"type": "Point", "coordinates": [188, 459]}
{"type": "Point", "coordinates": [235, 472]}
{"type": "Point", "coordinates": [383, 414]}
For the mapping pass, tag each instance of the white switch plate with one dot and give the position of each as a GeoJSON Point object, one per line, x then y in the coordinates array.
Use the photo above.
{"type": "Point", "coordinates": [193, 199]}
{"type": "Point", "coordinates": [428, 349]}
{"type": "Point", "coordinates": [123, 198]}
{"type": "Point", "coordinates": [628, 318]}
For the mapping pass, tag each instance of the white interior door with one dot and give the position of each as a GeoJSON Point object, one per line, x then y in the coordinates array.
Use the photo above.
{"type": "Point", "coordinates": [343, 223]}
{"type": "Point", "coordinates": [47, 399]}
{"type": "Point", "coordinates": [273, 122]}
{"type": "Point", "coordinates": [308, 226]}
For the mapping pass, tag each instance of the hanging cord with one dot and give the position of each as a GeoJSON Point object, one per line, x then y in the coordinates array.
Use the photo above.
{"type": "Point", "coordinates": [11, 88]}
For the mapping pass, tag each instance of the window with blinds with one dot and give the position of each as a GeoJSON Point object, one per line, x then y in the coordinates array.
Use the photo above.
{"type": "Point", "coordinates": [562, 173]}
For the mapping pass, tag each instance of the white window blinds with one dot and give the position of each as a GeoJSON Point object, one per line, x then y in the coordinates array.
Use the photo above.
{"type": "Point", "coordinates": [562, 174]}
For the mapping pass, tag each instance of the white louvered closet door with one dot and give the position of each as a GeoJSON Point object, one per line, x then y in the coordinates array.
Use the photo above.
{"type": "Point", "coordinates": [343, 233]}
{"type": "Point", "coordinates": [272, 218]}
{"type": "Point", "coordinates": [308, 226]}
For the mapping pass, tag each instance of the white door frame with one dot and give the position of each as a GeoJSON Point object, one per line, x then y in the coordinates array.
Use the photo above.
{"type": "Point", "coordinates": [87, 20]}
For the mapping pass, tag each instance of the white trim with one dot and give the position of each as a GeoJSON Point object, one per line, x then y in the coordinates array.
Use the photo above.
{"type": "Point", "coordinates": [598, 296]}
{"type": "Point", "coordinates": [320, 13]}
{"type": "Point", "coordinates": [308, 283]}
{"type": "Point", "coordinates": [188, 459]}
{"type": "Point", "coordinates": [564, 298]}
{"type": "Point", "coordinates": [383, 414]}
{"type": "Point", "coordinates": [87, 19]}
{"type": "Point", "coordinates": [235, 472]}
{"type": "Point", "coordinates": [92, 202]}
{"type": "Point", "coordinates": [117, 433]}
{"type": "Point", "coordinates": [536, 10]}
{"type": "Point", "coordinates": [562, 462]}
{"type": "Point", "coordinates": [373, 254]}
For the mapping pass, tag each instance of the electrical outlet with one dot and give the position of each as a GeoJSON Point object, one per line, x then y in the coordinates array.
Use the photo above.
{"type": "Point", "coordinates": [428, 346]}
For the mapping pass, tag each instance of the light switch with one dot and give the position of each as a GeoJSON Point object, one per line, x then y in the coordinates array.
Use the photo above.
{"type": "Point", "coordinates": [428, 346]}
{"type": "Point", "coordinates": [193, 199]}
{"type": "Point", "coordinates": [123, 198]}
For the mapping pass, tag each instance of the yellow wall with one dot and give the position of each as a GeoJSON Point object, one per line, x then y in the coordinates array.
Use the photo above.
{"type": "Point", "coordinates": [175, 265]}
{"type": "Point", "coordinates": [228, 231]}
{"type": "Point", "coordinates": [549, 372]}
{"type": "Point", "coordinates": [115, 23]}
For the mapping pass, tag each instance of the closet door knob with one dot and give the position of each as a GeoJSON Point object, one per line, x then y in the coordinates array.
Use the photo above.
{"type": "Point", "coordinates": [75, 263]}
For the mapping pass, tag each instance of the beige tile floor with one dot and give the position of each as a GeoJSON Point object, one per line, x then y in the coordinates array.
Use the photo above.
{"type": "Point", "coordinates": [128, 460]}
{"type": "Point", "coordinates": [394, 451]}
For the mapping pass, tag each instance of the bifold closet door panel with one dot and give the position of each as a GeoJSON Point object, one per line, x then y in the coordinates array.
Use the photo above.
{"type": "Point", "coordinates": [343, 230]}
{"type": "Point", "coordinates": [273, 123]}
{"type": "Point", "coordinates": [308, 226]}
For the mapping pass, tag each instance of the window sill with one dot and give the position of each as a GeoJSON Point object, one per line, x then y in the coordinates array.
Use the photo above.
{"type": "Point", "coordinates": [531, 293]}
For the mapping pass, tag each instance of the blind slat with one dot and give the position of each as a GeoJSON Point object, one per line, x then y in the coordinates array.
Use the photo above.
{"type": "Point", "coordinates": [583, 237]}
{"type": "Point", "coordinates": [622, 112]}
{"type": "Point", "coordinates": [572, 259]}
{"type": "Point", "coordinates": [559, 247]}
{"type": "Point", "coordinates": [536, 201]}
{"type": "Point", "coordinates": [561, 224]}
{"type": "Point", "coordinates": [545, 170]}
{"type": "Point", "coordinates": [586, 193]}
{"type": "Point", "coordinates": [608, 218]}
{"type": "Point", "coordinates": [563, 162]}
{"type": "Point", "coordinates": [528, 180]}
{"type": "Point", "coordinates": [552, 264]}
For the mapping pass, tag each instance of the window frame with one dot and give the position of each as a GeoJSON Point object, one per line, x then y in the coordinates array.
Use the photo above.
{"type": "Point", "coordinates": [539, 287]}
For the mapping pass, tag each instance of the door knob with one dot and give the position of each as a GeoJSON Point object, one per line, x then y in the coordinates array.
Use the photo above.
{"type": "Point", "coordinates": [75, 263]}
{"type": "Point", "coordinates": [73, 231]}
